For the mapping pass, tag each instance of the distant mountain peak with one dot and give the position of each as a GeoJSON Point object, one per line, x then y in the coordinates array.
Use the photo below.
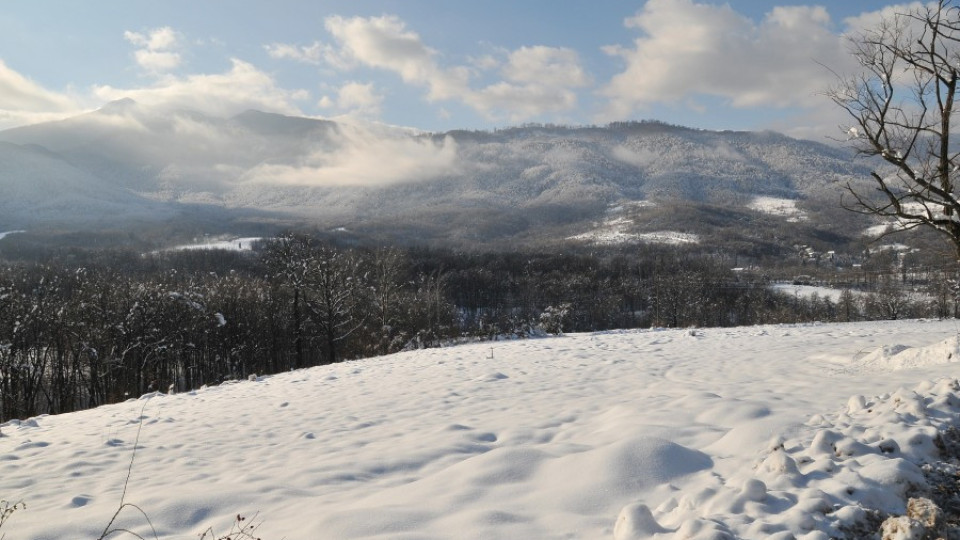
{"type": "Point", "coordinates": [118, 106]}
{"type": "Point", "coordinates": [269, 123]}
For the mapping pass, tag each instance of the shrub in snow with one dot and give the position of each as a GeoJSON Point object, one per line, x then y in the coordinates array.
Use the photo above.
{"type": "Point", "coordinates": [7, 509]}
{"type": "Point", "coordinates": [553, 318]}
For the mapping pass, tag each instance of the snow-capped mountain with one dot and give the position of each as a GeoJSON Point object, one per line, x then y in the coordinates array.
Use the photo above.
{"type": "Point", "coordinates": [524, 183]}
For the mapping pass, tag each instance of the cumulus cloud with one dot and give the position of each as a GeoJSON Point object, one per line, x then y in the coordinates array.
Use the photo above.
{"type": "Point", "coordinates": [519, 102]}
{"type": "Point", "coordinates": [355, 99]}
{"type": "Point", "coordinates": [26, 102]}
{"type": "Point", "coordinates": [688, 49]}
{"type": "Point", "coordinates": [871, 19]}
{"type": "Point", "coordinates": [365, 158]}
{"type": "Point", "coordinates": [158, 49]}
{"type": "Point", "coordinates": [537, 80]}
{"type": "Point", "coordinates": [314, 54]}
{"type": "Point", "coordinates": [546, 66]}
{"type": "Point", "coordinates": [221, 94]}
{"type": "Point", "coordinates": [385, 43]}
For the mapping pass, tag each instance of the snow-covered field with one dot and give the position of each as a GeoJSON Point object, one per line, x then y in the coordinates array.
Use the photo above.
{"type": "Point", "coordinates": [229, 244]}
{"type": "Point", "coordinates": [775, 206]}
{"type": "Point", "coordinates": [759, 432]}
{"type": "Point", "coordinates": [807, 291]}
{"type": "Point", "coordinates": [612, 234]}
{"type": "Point", "coordinates": [672, 238]}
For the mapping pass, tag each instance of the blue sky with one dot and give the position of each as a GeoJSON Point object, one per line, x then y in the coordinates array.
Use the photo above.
{"type": "Point", "coordinates": [435, 64]}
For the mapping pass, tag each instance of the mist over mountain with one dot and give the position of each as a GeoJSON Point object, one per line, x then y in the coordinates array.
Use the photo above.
{"type": "Point", "coordinates": [530, 184]}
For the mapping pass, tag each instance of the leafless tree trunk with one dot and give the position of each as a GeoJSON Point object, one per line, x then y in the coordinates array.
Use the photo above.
{"type": "Point", "coordinates": [901, 107]}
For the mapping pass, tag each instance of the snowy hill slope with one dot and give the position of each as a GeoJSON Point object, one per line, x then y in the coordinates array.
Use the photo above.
{"type": "Point", "coordinates": [756, 432]}
{"type": "Point", "coordinates": [38, 186]}
{"type": "Point", "coordinates": [519, 182]}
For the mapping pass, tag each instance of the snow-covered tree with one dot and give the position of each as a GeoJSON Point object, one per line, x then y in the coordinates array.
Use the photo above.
{"type": "Point", "coordinates": [337, 295]}
{"type": "Point", "coordinates": [290, 258]}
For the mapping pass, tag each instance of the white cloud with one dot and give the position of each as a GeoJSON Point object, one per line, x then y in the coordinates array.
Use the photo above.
{"type": "Point", "coordinates": [314, 54]}
{"type": "Point", "coordinates": [688, 49]}
{"type": "Point", "coordinates": [365, 158]}
{"type": "Point", "coordinates": [358, 98]}
{"type": "Point", "coordinates": [385, 43]}
{"type": "Point", "coordinates": [538, 79]}
{"type": "Point", "coordinates": [871, 19]}
{"type": "Point", "coordinates": [26, 102]}
{"type": "Point", "coordinates": [223, 94]}
{"type": "Point", "coordinates": [158, 49]}
{"type": "Point", "coordinates": [522, 101]}
{"type": "Point", "coordinates": [354, 99]}
{"type": "Point", "coordinates": [485, 62]}
{"type": "Point", "coordinates": [157, 61]}
{"type": "Point", "coordinates": [20, 93]}
{"type": "Point", "coordinates": [159, 39]}
{"type": "Point", "coordinates": [546, 66]}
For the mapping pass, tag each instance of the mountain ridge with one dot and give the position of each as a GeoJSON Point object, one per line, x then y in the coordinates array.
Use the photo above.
{"type": "Point", "coordinates": [525, 183]}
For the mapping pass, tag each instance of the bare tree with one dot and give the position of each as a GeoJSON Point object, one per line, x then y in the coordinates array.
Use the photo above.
{"type": "Point", "coordinates": [902, 104]}
{"type": "Point", "coordinates": [290, 258]}
{"type": "Point", "coordinates": [336, 296]}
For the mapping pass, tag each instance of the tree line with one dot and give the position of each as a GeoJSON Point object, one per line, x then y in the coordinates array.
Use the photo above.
{"type": "Point", "coordinates": [104, 326]}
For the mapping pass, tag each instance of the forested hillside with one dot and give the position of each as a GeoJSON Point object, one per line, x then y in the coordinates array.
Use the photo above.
{"type": "Point", "coordinates": [526, 185]}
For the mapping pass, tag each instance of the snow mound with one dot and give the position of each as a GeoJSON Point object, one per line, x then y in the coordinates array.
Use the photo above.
{"type": "Point", "coordinates": [897, 357]}
{"type": "Point", "coordinates": [835, 478]}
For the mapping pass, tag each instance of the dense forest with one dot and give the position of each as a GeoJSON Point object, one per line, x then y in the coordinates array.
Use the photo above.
{"type": "Point", "coordinates": [102, 325]}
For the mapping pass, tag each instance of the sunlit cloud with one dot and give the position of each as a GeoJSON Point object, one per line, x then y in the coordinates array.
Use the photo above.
{"type": "Point", "coordinates": [26, 102]}
{"type": "Point", "coordinates": [221, 94]}
{"type": "Point", "coordinates": [314, 54]}
{"type": "Point", "coordinates": [355, 99]}
{"type": "Point", "coordinates": [549, 66]}
{"type": "Point", "coordinates": [537, 80]}
{"type": "Point", "coordinates": [158, 49]}
{"type": "Point", "coordinates": [688, 49]}
{"type": "Point", "coordinates": [364, 158]}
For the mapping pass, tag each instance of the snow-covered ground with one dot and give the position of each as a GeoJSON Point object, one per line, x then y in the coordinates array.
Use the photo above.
{"type": "Point", "coordinates": [229, 244]}
{"type": "Point", "coordinates": [617, 229]}
{"type": "Point", "coordinates": [807, 291]}
{"type": "Point", "coordinates": [613, 233]}
{"type": "Point", "coordinates": [759, 432]}
{"type": "Point", "coordinates": [775, 206]}
{"type": "Point", "coordinates": [672, 238]}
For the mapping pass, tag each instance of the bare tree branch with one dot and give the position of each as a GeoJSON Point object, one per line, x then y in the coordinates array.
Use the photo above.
{"type": "Point", "coordinates": [901, 107]}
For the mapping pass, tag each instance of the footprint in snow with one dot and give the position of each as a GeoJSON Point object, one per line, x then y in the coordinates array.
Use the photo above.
{"type": "Point", "coordinates": [80, 501]}
{"type": "Point", "coordinates": [485, 437]}
{"type": "Point", "coordinates": [31, 444]}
